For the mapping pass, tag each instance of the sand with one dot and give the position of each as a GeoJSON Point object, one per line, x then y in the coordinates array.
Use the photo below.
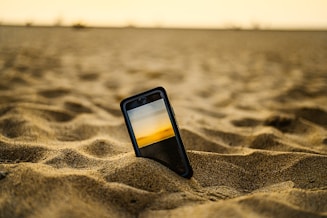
{"type": "Point", "coordinates": [251, 107]}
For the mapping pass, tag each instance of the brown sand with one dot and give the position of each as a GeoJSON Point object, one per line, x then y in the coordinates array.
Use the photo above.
{"type": "Point", "coordinates": [251, 106]}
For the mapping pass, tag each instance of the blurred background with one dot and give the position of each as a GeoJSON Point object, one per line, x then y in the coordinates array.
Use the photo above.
{"type": "Point", "coordinates": [235, 14]}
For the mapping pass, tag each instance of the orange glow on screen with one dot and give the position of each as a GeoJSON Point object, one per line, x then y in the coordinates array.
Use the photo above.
{"type": "Point", "coordinates": [151, 123]}
{"type": "Point", "coordinates": [162, 134]}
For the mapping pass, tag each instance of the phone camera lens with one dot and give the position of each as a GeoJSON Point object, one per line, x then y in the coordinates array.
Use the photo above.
{"type": "Point", "coordinates": [142, 99]}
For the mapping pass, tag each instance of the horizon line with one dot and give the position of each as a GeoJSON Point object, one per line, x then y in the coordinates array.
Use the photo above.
{"type": "Point", "coordinates": [80, 25]}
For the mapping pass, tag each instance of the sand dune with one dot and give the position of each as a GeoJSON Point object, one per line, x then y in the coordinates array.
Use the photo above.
{"type": "Point", "coordinates": [251, 106]}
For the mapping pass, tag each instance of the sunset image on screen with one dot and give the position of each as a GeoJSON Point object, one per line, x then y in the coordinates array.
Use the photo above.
{"type": "Point", "coordinates": [151, 123]}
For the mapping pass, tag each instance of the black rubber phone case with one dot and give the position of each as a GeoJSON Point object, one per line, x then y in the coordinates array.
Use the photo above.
{"type": "Point", "coordinates": [172, 154]}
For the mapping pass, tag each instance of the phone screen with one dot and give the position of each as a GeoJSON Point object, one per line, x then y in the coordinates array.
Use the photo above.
{"type": "Point", "coordinates": [154, 131]}
{"type": "Point", "coordinates": [151, 124]}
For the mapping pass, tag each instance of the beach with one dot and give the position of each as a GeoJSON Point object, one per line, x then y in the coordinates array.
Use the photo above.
{"type": "Point", "coordinates": [251, 107]}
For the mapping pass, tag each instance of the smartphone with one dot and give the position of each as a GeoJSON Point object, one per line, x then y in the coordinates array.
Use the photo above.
{"type": "Point", "coordinates": [153, 130]}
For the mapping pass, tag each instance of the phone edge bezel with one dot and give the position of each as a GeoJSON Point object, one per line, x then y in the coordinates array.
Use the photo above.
{"type": "Point", "coordinates": [189, 170]}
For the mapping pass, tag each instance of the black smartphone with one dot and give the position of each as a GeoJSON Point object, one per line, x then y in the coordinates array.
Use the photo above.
{"type": "Point", "coordinates": [152, 127]}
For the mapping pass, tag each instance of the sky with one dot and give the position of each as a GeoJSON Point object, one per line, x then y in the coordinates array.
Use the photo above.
{"type": "Point", "coordinates": [296, 14]}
